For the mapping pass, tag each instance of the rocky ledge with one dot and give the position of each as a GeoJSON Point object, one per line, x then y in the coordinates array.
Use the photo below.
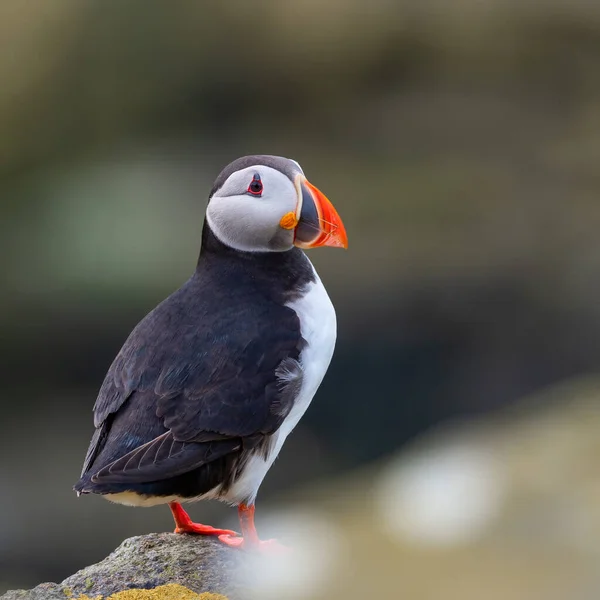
{"type": "Point", "coordinates": [156, 566]}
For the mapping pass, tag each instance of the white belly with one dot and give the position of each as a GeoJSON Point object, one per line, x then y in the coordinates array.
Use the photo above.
{"type": "Point", "coordinates": [318, 328]}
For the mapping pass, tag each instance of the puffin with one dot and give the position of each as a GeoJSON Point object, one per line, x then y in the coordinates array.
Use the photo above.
{"type": "Point", "coordinates": [207, 387]}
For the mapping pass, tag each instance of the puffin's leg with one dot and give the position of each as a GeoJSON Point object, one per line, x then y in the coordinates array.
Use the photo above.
{"type": "Point", "coordinates": [183, 523]}
{"type": "Point", "coordinates": [249, 539]}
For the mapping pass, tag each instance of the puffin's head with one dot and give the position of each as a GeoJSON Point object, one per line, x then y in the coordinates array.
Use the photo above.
{"type": "Point", "coordinates": [265, 203]}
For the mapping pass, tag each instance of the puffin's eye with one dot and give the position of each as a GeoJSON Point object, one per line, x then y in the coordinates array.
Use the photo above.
{"type": "Point", "coordinates": [256, 187]}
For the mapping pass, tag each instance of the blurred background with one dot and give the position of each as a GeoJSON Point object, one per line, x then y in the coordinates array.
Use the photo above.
{"type": "Point", "coordinates": [453, 448]}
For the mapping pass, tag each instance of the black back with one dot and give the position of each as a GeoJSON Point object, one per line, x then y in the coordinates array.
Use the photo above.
{"type": "Point", "coordinates": [197, 381]}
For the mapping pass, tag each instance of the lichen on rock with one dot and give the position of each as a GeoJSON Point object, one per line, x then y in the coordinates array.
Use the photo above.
{"type": "Point", "coordinates": [171, 591]}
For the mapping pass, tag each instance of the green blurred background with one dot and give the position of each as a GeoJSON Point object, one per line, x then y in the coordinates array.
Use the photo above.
{"type": "Point", "coordinates": [460, 142]}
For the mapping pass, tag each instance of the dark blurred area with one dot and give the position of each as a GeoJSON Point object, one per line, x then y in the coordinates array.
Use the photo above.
{"type": "Point", "coordinates": [460, 142]}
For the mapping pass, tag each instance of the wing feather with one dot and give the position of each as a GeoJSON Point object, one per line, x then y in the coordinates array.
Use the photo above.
{"type": "Point", "coordinates": [212, 384]}
{"type": "Point", "coordinates": [161, 458]}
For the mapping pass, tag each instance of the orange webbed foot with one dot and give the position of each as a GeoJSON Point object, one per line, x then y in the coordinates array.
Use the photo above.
{"type": "Point", "coordinates": [183, 524]}
{"type": "Point", "coordinates": [199, 529]}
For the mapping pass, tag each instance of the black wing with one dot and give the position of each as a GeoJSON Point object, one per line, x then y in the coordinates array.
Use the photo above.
{"type": "Point", "coordinates": [216, 374]}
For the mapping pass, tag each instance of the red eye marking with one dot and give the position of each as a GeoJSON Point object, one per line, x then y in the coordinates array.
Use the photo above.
{"type": "Point", "coordinates": [256, 187]}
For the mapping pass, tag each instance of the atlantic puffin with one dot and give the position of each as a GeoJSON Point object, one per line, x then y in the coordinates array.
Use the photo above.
{"type": "Point", "coordinates": [200, 399]}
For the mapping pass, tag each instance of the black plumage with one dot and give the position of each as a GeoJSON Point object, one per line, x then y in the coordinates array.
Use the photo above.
{"type": "Point", "coordinates": [198, 386]}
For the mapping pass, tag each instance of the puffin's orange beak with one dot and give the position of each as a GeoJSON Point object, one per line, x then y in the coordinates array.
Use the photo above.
{"type": "Point", "coordinates": [318, 222]}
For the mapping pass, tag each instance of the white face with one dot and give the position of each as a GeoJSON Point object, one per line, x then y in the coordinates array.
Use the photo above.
{"type": "Point", "coordinates": [245, 213]}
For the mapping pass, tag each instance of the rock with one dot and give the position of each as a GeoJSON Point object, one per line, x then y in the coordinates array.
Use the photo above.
{"type": "Point", "coordinates": [200, 564]}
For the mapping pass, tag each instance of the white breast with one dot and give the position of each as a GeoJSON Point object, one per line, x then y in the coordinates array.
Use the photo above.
{"type": "Point", "coordinates": [318, 328]}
